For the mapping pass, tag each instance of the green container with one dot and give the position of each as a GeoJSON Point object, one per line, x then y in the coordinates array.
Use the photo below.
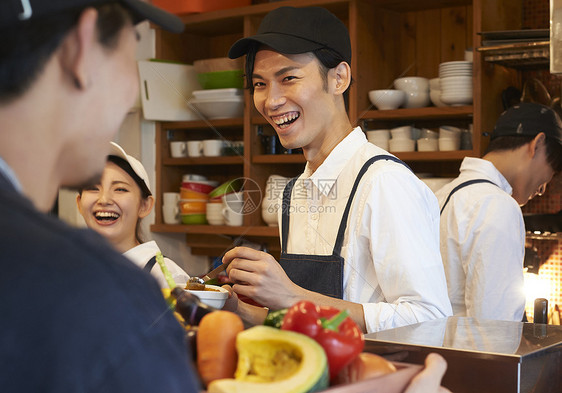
{"type": "Point", "coordinates": [221, 79]}
{"type": "Point", "coordinates": [193, 219]}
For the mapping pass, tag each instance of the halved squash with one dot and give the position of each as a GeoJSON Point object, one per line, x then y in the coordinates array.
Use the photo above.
{"type": "Point", "coordinates": [275, 361]}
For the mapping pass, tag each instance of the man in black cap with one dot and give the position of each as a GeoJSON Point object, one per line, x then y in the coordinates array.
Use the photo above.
{"type": "Point", "coordinates": [482, 228]}
{"type": "Point", "coordinates": [359, 229]}
{"type": "Point", "coordinates": [76, 315]}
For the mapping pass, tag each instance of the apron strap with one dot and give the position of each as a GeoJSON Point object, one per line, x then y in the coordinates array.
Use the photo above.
{"type": "Point", "coordinates": [285, 207]}
{"type": "Point", "coordinates": [150, 264]}
{"type": "Point", "coordinates": [343, 224]}
{"type": "Point", "coordinates": [462, 185]}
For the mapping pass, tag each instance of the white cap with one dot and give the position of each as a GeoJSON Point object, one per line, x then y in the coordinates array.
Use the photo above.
{"type": "Point", "coordinates": [135, 164]}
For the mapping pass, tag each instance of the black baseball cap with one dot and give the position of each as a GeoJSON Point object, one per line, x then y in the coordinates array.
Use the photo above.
{"type": "Point", "coordinates": [13, 12]}
{"type": "Point", "coordinates": [529, 119]}
{"type": "Point", "coordinates": [291, 30]}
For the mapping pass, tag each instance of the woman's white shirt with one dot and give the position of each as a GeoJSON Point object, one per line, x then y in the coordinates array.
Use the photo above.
{"type": "Point", "coordinates": [141, 254]}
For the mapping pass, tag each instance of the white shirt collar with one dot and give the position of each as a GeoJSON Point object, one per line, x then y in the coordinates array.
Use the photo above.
{"type": "Point", "coordinates": [327, 173]}
{"type": "Point", "coordinates": [10, 175]}
{"type": "Point", "coordinates": [488, 170]}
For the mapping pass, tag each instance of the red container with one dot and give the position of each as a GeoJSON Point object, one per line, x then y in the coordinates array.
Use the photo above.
{"type": "Point", "coordinates": [180, 7]}
{"type": "Point", "coordinates": [198, 187]}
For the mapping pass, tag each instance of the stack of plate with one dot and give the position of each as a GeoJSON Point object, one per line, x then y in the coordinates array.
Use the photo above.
{"type": "Point", "coordinates": [219, 103]}
{"type": "Point", "coordinates": [455, 78]}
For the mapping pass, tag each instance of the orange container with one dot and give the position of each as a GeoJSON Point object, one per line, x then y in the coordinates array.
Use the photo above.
{"type": "Point", "coordinates": [192, 206]}
{"type": "Point", "coordinates": [194, 6]}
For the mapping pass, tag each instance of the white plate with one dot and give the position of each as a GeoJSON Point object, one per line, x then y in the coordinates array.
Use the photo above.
{"type": "Point", "coordinates": [217, 93]}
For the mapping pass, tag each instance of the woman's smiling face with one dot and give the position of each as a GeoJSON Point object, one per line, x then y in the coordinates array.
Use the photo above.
{"type": "Point", "coordinates": [113, 207]}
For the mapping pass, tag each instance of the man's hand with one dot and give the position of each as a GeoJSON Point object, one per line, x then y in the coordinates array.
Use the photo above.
{"type": "Point", "coordinates": [259, 276]}
{"type": "Point", "coordinates": [429, 379]}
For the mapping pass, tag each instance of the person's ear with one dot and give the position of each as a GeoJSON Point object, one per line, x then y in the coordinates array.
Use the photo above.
{"type": "Point", "coordinates": [78, 199]}
{"type": "Point", "coordinates": [342, 77]}
{"type": "Point", "coordinates": [146, 206]}
{"type": "Point", "coordinates": [537, 143]}
{"type": "Point", "coordinates": [77, 50]}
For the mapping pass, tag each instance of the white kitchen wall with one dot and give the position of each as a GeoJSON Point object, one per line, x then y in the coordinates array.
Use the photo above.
{"type": "Point", "coordinates": [137, 137]}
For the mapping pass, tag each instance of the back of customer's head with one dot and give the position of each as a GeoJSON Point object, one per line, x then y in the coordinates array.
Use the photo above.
{"type": "Point", "coordinates": [520, 124]}
{"type": "Point", "coordinates": [27, 46]}
{"type": "Point", "coordinates": [291, 30]}
{"type": "Point", "coordinates": [32, 30]}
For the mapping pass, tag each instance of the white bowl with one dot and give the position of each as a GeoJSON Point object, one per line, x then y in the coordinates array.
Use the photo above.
{"type": "Point", "coordinates": [449, 132]}
{"type": "Point", "coordinates": [412, 84]}
{"type": "Point", "coordinates": [398, 145]}
{"type": "Point", "coordinates": [215, 220]}
{"type": "Point", "coordinates": [428, 144]}
{"type": "Point", "coordinates": [449, 144]}
{"type": "Point", "coordinates": [382, 143]}
{"type": "Point", "coordinates": [427, 133]}
{"type": "Point", "coordinates": [217, 94]}
{"type": "Point", "coordinates": [417, 99]}
{"type": "Point", "coordinates": [434, 84]}
{"type": "Point", "coordinates": [378, 134]}
{"type": "Point", "coordinates": [457, 99]}
{"type": "Point", "coordinates": [214, 298]}
{"type": "Point", "coordinates": [435, 97]}
{"type": "Point", "coordinates": [403, 132]}
{"type": "Point", "coordinates": [387, 99]}
{"type": "Point", "coordinates": [224, 108]}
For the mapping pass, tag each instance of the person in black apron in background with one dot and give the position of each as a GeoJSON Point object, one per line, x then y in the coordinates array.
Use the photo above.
{"type": "Point", "coordinates": [482, 229]}
{"type": "Point", "coordinates": [359, 230]}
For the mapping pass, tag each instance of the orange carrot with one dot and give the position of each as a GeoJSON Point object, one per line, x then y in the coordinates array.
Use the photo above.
{"type": "Point", "coordinates": [216, 345]}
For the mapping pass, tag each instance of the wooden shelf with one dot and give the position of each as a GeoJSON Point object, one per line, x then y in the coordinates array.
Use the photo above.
{"type": "Point", "coordinates": [419, 113]}
{"type": "Point", "coordinates": [197, 124]}
{"type": "Point", "coordinates": [222, 160]}
{"type": "Point", "coordinates": [279, 159]}
{"type": "Point", "coordinates": [456, 155]}
{"type": "Point", "coordinates": [261, 231]}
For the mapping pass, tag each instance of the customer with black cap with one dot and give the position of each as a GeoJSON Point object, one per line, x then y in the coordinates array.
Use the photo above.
{"type": "Point", "coordinates": [76, 315]}
{"type": "Point", "coordinates": [482, 228]}
{"type": "Point", "coordinates": [362, 233]}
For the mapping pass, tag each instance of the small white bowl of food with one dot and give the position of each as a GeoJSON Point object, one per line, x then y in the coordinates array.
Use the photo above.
{"type": "Point", "coordinates": [212, 295]}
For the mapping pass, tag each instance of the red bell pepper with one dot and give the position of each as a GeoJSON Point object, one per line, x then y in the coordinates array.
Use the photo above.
{"type": "Point", "coordinates": [333, 329]}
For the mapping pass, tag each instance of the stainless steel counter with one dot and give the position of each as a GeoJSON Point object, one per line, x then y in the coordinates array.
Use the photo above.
{"type": "Point", "coordinates": [483, 355]}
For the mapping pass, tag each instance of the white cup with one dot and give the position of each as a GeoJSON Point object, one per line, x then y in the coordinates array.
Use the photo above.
{"type": "Point", "coordinates": [449, 144]}
{"type": "Point", "coordinates": [231, 217]}
{"type": "Point", "coordinates": [178, 149]}
{"type": "Point", "coordinates": [212, 147]}
{"type": "Point", "coordinates": [234, 201]}
{"type": "Point", "coordinates": [170, 198]}
{"type": "Point", "coordinates": [214, 213]}
{"type": "Point", "coordinates": [194, 148]}
{"type": "Point", "coordinates": [171, 214]}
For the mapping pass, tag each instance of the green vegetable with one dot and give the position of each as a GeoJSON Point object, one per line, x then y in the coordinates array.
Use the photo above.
{"type": "Point", "coordinates": [164, 268]}
{"type": "Point", "coordinates": [275, 318]}
{"type": "Point", "coordinates": [275, 361]}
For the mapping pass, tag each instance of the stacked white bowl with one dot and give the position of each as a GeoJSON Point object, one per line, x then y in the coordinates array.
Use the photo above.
{"type": "Point", "coordinates": [435, 92]}
{"type": "Point", "coordinates": [449, 138]}
{"type": "Point", "coordinates": [379, 138]}
{"type": "Point", "coordinates": [455, 78]}
{"type": "Point", "coordinates": [402, 139]}
{"type": "Point", "coordinates": [416, 89]}
{"type": "Point", "coordinates": [428, 140]}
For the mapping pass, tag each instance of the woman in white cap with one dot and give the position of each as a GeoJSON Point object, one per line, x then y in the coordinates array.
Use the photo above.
{"type": "Point", "coordinates": [115, 207]}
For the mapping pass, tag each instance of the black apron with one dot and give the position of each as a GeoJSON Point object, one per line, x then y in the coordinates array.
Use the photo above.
{"type": "Point", "coordinates": [150, 264]}
{"type": "Point", "coordinates": [462, 185]}
{"type": "Point", "coordinates": [320, 273]}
